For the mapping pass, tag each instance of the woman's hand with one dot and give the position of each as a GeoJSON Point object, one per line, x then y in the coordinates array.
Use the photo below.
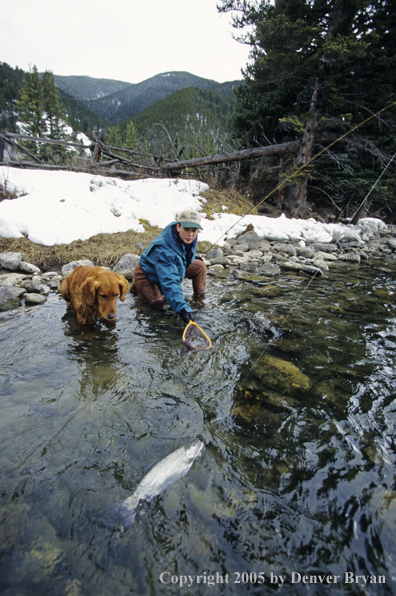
{"type": "Point", "coordinates": [186, 316]}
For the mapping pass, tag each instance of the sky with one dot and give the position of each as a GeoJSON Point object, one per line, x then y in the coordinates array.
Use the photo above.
{"type": "Point", "coordinates": [58, 207]}
{"type": "Point", "coordinates": [125, 40]}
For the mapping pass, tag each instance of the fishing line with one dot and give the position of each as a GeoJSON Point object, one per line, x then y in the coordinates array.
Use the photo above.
{"type": "Point", "coordinates": [292, 308]}
{"type": "Point", "coordinates": [299, 170]}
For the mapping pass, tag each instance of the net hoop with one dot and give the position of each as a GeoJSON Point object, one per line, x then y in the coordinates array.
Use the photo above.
{"type": "Point", "coordinates": [194, 324]}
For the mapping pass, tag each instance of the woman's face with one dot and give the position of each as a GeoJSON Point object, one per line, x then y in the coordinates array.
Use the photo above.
{"type": "Point", "coordinates": [188, 235]}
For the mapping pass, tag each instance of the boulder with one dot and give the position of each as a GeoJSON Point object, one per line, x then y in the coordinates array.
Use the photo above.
{"type": "Point", "coordinates": [126, 265]}
{"type": "Point", "coordinates": [10, 297]}
{"type": "Point", "coordinates": [250, 238]}
{"type": "Point", "coordinates": [69, 267]}
{"type": "Point", "coordinates": [10, 260]}
{"type": "Point", "coordinates": [282, 376]}
{"type": "Point", "coordinates": [215, 253]}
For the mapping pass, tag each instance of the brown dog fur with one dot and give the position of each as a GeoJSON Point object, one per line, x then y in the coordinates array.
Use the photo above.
{"type": "Point", "coordinates": [92, 292]}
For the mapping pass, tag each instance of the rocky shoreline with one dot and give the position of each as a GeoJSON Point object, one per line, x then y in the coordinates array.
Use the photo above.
{"type": "Point", "coordinates": [247, 257]}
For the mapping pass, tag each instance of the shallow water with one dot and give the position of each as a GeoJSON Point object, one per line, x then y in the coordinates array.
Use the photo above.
{"type": "Point", "coordinates": [296, 405]}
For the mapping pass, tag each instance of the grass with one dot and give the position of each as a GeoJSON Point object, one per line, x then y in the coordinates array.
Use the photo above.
{"type": "Point", "coordinates": [107, 249]}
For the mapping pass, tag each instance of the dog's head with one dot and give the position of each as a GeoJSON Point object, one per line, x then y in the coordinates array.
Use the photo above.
{"type": "Point", "coordinates": [102, 291]}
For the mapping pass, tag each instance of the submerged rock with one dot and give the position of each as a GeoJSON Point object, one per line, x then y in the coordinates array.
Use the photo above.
{"type": "Point", "coordinates": [282, 376]}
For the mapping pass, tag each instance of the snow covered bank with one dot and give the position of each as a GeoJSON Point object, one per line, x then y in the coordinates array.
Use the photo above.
{"type": "Point", "coordinates": [59, 207]}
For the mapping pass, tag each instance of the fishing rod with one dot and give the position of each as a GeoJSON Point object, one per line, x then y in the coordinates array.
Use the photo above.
{"type": "Point", "coordinates": [299, 170]}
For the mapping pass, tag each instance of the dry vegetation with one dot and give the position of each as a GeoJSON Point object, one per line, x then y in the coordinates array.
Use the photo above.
{"type": "Point", "coordinates": [107, 249]}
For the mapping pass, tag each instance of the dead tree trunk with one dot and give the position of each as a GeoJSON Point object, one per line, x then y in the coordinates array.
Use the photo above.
{"type": "Point", "coordinates": [296, 197]}
{"type": "Point", "coordinates": [234, 156]}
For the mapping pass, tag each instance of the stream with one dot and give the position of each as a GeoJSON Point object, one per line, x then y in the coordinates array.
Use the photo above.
{"type": "Point", "coordinates": [295, 402]}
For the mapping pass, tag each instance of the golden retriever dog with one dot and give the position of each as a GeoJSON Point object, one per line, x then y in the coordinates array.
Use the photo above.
{"type": "Point", "coordinates": [92, 292]}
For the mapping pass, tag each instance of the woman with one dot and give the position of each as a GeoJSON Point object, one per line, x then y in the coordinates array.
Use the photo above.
{"type": "Point", "coordinates": [167, 261]}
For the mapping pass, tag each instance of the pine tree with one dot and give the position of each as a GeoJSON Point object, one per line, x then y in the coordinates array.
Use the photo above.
{"type": "Point", "coordinates": [30, 107]}
{"type": "Point", "coordinates": [131, 136]}
{"type": "Point", "coordinates": [54, 117]}
{"type": "Point", "coordinates": [308, 57]}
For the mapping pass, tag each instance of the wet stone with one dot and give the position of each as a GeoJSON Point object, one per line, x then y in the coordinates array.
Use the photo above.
{"type": "Point", "coordinates": [10, 297]}
{"type": "Point", "coordinates": [270, 269]}
{"type": "Point", "coordinates": [34, 298]}
{"type": "Point", "coordinates": [282, 376]}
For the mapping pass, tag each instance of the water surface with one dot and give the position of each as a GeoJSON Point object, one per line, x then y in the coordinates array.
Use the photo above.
{"type": "Point", "coordinates": [295, 403]}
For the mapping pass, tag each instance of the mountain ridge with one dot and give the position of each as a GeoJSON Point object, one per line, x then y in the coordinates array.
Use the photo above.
{"type": "Point", "coordinates": [117, 101]}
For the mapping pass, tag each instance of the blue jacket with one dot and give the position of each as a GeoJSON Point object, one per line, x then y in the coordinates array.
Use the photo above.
{"type": "Point", "coordinates": [165, 262]}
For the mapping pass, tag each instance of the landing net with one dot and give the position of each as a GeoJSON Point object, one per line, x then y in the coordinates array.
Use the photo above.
{"type": "Point", "coordinates": [195, 338]}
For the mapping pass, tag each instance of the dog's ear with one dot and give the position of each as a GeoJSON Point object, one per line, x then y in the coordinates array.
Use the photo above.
{"type": "Point", "coordinates": [88, 290]}
{"type": "Point", "coordinates": [124, 286]}
{"type": "Point", "coordinates": [65, 289]}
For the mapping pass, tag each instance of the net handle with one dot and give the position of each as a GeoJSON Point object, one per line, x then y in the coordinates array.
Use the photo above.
{"type": "Point", "coordinates": [193, 323]}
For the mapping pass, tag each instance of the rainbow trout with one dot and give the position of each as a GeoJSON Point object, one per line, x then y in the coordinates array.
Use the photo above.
{"type": "Point", "coordinates": [162, 474]}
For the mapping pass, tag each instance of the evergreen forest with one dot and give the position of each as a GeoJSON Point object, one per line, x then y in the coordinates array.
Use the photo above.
{"type": "Point", "coordinates": [321, 73]}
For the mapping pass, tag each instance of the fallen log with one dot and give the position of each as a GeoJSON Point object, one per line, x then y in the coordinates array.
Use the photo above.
{"type": "Point", "coordinates": [234, 156]}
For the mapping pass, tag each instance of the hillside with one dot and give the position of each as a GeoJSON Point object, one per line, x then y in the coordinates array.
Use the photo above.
{"type": "Point", "coordinates": [80, 116]}
{"type": "Point", "coordinates": [130, 99]}
{"type": "Point", "coordinates": [192, 116]}
{"type": "Point", "coordinates": [87, 88]}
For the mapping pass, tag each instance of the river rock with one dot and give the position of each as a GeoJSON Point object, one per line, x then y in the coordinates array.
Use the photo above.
{"type": "Point", "coordinates": [296, 266]}
{"type": "Point", "coordinates": [10, 260]}
{"type": "Point", "coordinates": [240, 260]}
{"type": "Point", "coordinates": [215, 253]}
{"type": "Point", "coordinates": [13, 279]}
{"type": "Point", "coordinates": [34, 298]}
{"type": "Point", "coordinates": [220, 261]}
{"type": "Point", "coordinates": [216, 267]}
{"type": "Point", "coordinates": [282, 376]}
{"type": "Point", "coordinates": [69, 267]}
{"type": "Point", "coordinates": [10, 297]}
{"type": "Point", "coordinates": [264, 245]}
{"type": "Point", "coordinates": [51, 275]}
{"type": "Point", "coordinates": [305, 251]}
{"type": "Point", "coordinates": [250, 238]}
{"type": "Point", "coordinates": [270, 269]}
{"type": "Point", "coordinates": [251, 266]}
{"type": "Point", "coordinates": [391, 242]}
{"type": "Point", "coordinates": [126, 265]}
{"type": "Point", "coordinates": [35, 286]}
{"type": "Point", "coordinates": [241, 248]}
{"type": "Point", "coordinates": [287, 249]}
{"type": "Point", "coordinates": [28, 267]}
{"type": "Point", "coordinates": [325, 256]}
{"type": "Point", "coordinates": [324, 247]}
{"type": "Point", "coordinates": [353, 257]}
{"type": "Point", "coordinates": [254, 254]}
{"type": "Point", "coordinates": [320, 263]}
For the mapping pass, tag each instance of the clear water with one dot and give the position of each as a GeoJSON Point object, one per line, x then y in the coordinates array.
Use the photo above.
{"type": "Point", "coordinates": [297, 477]}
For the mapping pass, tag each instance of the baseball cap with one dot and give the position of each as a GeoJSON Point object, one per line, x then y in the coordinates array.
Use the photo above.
{"type": "Point", "coordinates": [190, 219]}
